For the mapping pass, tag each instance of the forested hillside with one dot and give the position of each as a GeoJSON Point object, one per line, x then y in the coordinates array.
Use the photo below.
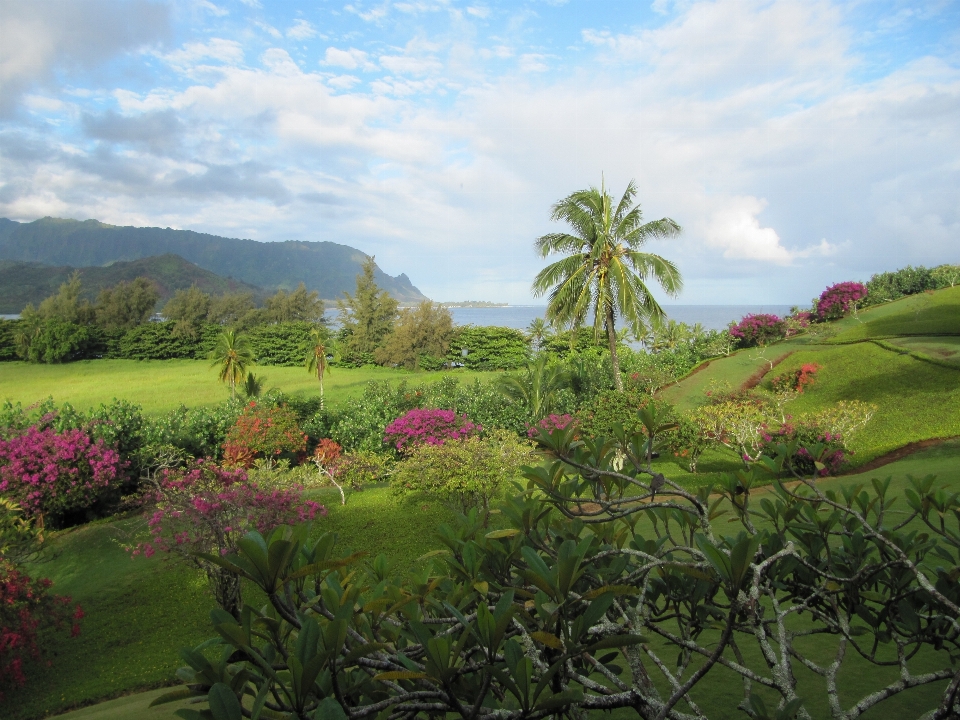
{"type": "Point", "coordinates": [328, 268]}
{"type": "Point", "coordinates": [31, 282]}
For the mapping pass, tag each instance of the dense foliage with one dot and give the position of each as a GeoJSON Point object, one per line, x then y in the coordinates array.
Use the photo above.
{"type": "Point", "coordinates": [427, 426]}
{"type": "Point", "coordinates": [576, 602]}
{"type": "Point", "coordinates": [262, 431]}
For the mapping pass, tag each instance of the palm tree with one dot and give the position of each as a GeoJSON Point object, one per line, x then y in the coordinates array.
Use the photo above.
{"type": "Point", "coordinates": [233, 356]}
{"type": "Point", "coordinates": [316, 361]}
{"type": "Point", "coordinates": [538, 331]}
{"type": "Point", "coordinates": [536, 388]}
{"type": "Point", "coordinates": [604, 272]}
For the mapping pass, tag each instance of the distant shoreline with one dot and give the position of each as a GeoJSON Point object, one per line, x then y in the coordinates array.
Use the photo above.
{"type": "Point", "coordinates": [474, 304]}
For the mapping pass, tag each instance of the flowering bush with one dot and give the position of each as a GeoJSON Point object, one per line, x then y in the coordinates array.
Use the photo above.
{"type": "Point", "coordinates": [427, 427]}
{"type": "Point", "coordinates": [758, 330]}
{"type": "Point", "coordinates": [262, 430]}
{"type": "Point", "coordinates": [833, 449]}
{"type": "Point", "coordinates": [796, 380]}
{"type": "Point", "coordinates": [208, 509]}
{"type": "Point", "coordinates": [838, 300]}
{"type": "Point", "coordinates": [467, 472]}
{"type": "Point", "coordinates": [52, 474]}
{"type": "Point", "coordinates": [551, 423]}
{"type": "Point", "coordinates": [29, 613]}
{"type": "Point", "coordinates": [327, 452]}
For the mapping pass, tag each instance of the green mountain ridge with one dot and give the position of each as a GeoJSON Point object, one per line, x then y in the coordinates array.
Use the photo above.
{"type": "Point", "coordinates": [327, 267]}
{"type": "Point", "coordinates": [31, 282]}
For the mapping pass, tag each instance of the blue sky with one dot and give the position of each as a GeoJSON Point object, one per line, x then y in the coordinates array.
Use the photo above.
{"type": "Point", "coordinates": [797, 143]}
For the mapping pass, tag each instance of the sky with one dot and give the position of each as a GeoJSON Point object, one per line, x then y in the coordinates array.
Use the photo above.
{"type": "Point", "coordinates": [798, 144]}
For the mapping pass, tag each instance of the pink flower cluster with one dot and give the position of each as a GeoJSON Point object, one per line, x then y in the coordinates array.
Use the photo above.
{"type": "Point", "coordinates": [27, 611]}
{"type": "Point", "coordinates": [550, 423]}
{"type": "Point", "coordinates": [206, 508]}
{"type": "Point", "coordinates": [428, 426]}
{"type": "Point", "coordinates": [838, 300]}
{"type": "Point", "coordinates": [51, 473]}
{"type": "Point", "coordinates": [758, 329]}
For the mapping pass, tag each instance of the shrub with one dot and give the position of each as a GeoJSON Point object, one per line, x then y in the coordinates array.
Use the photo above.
{"type": "Point", "coordinates": [489, 348]}
{"type": "Point", "coordinates": [29, 617]}
{"type": "Point", "coordinates": [551, 423]}
{"type": "Point", "coordinates": [910, 280]}
{"type": "Point", "coordinates": [942, 276]}
{"type": "Point", "coordinates": [467, 472]}
{"type": "Point", "coordinates": [200, 431]}
{"type": "Point", "coordinates": [262, 431]}
{"type": "Point", "coordinates": [281, 344]}
{"type": "Point", "coordinates": [839, 300]}
{"type": "Point", "coordinates": [833, 449]}
{"type": "Point", "coordinates": [54, 475]}
{"type": "Point", "coordinates": [207, 509]}
{"type": "Point", "coordinates": [361, 468]}
{"type": "Point", "coordinates": [58, 341]}
{"type": "Point", "coordinates": [758, 330]}
{"type": "Point", "coordinates": [795, 380]}
{"type": "Point", "coordinates": [427, 427]}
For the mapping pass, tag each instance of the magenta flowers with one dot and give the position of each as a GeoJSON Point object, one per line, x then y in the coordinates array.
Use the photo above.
{"type": "Point", "coordinates": [838, 300]}
{"type": "Point", "coordinates": [428, 426]}
{"type": "Point", "coordinates": [51, 474]}
{"type": "Point", "coordinates": [550, 423]}
{"type": "Point", "coordinates": [759, 329]}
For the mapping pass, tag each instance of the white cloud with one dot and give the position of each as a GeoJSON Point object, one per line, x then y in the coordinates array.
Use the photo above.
{"type": "Point", "coordinates": [228, 52]}
{"type": "Point", "coordinates": [374, 15]}
{"type": "Point", "coordinates": [350, 59]}
{"type": "Point", "coordinates": [255, 4]}
{"type": "Point", "coordinates": [301, 30]}
{"type": "Point", "coordinates": [269, 29]}
{"type": "Point", "coordinates": [479, 11]}
{"type": "Point", "coordinates": [209, 7]}
{"type": "Point", "coordinates": [736, 230]}
{"type": "Point", "coordinates": [343, 82]}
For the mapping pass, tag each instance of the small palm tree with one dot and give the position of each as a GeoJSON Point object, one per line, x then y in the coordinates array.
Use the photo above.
{"type": "Point", "coordinates": [536, 388]}
{"type": "Point", "coordinates": [253, 386]}
{"type": "Point", "coordinates": [604, 271]}
{"type": "Point", "coordinates": [233, 356]}
{"type": "Point", "coordinates": [538, 332]}
{"type": "Point", "coordinates": [318, 347]}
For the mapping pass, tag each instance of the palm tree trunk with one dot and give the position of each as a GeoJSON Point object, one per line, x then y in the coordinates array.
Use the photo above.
{"type": "Point", "coordinates": [612, 340]}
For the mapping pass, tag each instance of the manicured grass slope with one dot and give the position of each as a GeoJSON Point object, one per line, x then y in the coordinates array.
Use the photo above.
{"type": "Point", "coordinates": [916, 400]}
{"type": "Point", "coordinates": [924, 314]}
{"type": "Point", "coordinates": [162, 385]}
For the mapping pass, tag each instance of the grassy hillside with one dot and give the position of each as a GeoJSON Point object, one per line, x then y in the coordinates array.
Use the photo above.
{"type": "Point", "coordinates": [930, 313]}
{"type": "Point", "coordinates": [329, 268]}
{"type": "Point", "coordinates": [162, 385]}
{"type": "Point", "coordinates": [28, 282]}
{"type": "Point", "coordinates": [904, 357]}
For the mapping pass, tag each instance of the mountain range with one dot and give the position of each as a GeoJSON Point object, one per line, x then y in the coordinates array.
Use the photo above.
{"type": "Point", "coordinates": [329, 268]}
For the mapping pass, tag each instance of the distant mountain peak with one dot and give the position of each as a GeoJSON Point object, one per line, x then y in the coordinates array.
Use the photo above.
{"type": "Point", "coordinates": [324, 266]}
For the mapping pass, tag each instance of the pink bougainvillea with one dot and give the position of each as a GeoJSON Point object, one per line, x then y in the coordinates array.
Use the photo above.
{"type": "Point", "coordinates": [50, 473]}
{"type": "Point", "coordinates": [758, 329]}
{"type": "Point", "coordinates": [206, 508]}
{"type": "Point", "coordinates": [550, 423]}
{"type": "Point", "coordinates": [428, 426]}
{"type": "Point", "coordinates": [28, 612]}
{"type": "Point", "coordinates": [838, 300]}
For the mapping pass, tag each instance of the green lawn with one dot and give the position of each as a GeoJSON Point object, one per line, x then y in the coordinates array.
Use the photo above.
{"type": "Point", "coordinates": [916, 400]}
{"type": "Point", "coordinates": [162, 385]}
{"type": "Point", "coordinates": [140, 612]}
{"type": "Point", "coordinates": [923, 314]}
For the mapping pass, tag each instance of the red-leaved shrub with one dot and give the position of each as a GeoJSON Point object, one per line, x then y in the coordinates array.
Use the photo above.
{"type": "Point", "coordinates": [262, 431]}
